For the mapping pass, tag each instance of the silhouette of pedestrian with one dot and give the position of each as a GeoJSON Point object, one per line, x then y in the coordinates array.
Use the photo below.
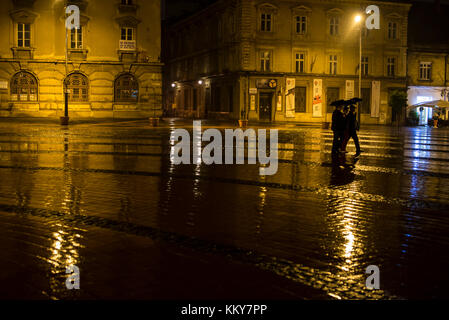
{"type": "Point", "coordinates": [338, 127]}
{"type": "Point", "coordinates": [353, 127]}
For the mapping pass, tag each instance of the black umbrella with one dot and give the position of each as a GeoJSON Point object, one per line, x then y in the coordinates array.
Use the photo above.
{"type": "Point", "coordinates": [337, 103]}
{"type": "Point", "coordinates": [354, 101]}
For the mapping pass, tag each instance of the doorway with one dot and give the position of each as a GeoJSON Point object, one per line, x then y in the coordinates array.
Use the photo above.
{"type": "Point", "coordinates": [265, 106]}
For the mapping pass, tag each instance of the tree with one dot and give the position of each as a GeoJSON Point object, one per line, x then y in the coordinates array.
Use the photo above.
{"type": "Point", "coordinates": [398, 103]}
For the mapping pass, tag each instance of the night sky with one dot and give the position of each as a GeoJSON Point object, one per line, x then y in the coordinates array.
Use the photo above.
{"type": "Point", "coordinates": [176, 9]}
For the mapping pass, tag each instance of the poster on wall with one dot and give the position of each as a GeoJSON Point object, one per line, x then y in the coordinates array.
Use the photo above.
{"type": "Point", "coordinates": [349, 89]}
{"type": "Point", "coordinates": [317, 110]}
{"type": "Point", "coordinates": [375, 99]}
{"type": "Point", "coordinates": [279, 103]}
{"type": "Point", "coordinates": [3, 84]}
{"type": "Point", "coordinates": [290, 97]}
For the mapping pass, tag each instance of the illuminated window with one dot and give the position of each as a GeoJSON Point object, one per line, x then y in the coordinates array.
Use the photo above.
{"type": "Point", "coordinates": [333, 64]}
{"type": "Point", "coordinates": [391, 66]}
{"type": "Point", "coordinates": [301, 25]}
{"type": "Point", "coordinates": [265, 60]}
{"type": "Point", "coordinates": [76, 38]}
{"type": "Point", "coordinates": [365, 66]}
{"type": "Point", "coordinates": [300, 62]}
{"type": "Point", "coordinates": [392, 30]}
{"type": "Point", "coordinates": [424, 70]}
{"type": "Point", "coordinates": [334, 26]}
{"type": "Point", "coordinates": [78, 87]}
{"type": "Point", "coordinates": [127, 34]}
{"type": "Point", "coordinates": [23, 35]}
{"type": "Point", "coordinates": [266, 22]}
{"type": "Point", "coordinates": [23, 87]}
{"type": "Point", "coordinates": [126, 88]}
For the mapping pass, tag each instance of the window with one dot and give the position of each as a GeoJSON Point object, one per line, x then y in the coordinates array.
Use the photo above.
{"type": "Point", "coordinates": [265, 60]}
{"type": "Point", "coordinates": [216, 98]}
{"type": "Point", "coordinates": [365, 105]}
{"type": "Point", "coordinates": [334, 25]}
{"type": "Point", "coordinates": [300, 99]}
{"type": "Point", "coordinates": [78, 87]}
{"type": "Point", "coordinates": [392, 30]}
{"type": "Point", "coordinates": [300, 62]}
{"type": "Point", "coordinates": [76, 38]}
{"type": "Point", "coordinates": [127, 34]}
{"type": "Point", "coordinates": [195, 99]}
{"type": "Point", "coordinates": [332, 64]}
{"type": "Point", "coordinates": [186, 99]}
{"type": "Point", "coordinates": [332, 94]}
{"type": "Point", "coordinates": [23, 35]}
{"type": "Point", "coordinates": [23, 87]}
{"type": "Point", "coordinates": [424, 70]}
{"type": "Point", "coordinates": [301, 25]}
{"type": "Point", "coordinates": [365, 66]}
{"type": "Point", "coordinates": [391, 66]}
{"type": "Point", "coordinates": [265, 22]}
{"type": "Point", "coordinates": [126, 88]}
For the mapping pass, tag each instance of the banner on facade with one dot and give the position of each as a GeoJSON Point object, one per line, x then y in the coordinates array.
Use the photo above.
{"type": "Point", "coordinates": [375, 99]}
{"type": "Point", "coordinates": [349, 89]}
{"type": "Point", "coordinates": [279, 102]}
{"type": "Point", "coordinates": [3, 84]}
{"type": "Point", "coordinates": [290, 97]}
{"type": "Point", "coordinates": [252, 105]}
{"type": "Point", "coordinates": [317, 110]}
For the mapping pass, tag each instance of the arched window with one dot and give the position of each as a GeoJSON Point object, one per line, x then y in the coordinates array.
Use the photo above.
{"type": "Point", "coordinates": [23, 87]}
{"type": "Point", "coordinates": [78, 87]}
{"type": "Point", "coordinates": [126, 88]}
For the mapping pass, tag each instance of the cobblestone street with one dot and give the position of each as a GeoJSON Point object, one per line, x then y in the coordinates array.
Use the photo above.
{"type": "Point", "coordinates": [106, 197]}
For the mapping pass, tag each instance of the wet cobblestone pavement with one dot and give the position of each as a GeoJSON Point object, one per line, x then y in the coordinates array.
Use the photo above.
{"type": "Point", "coordinates": [107, 198]}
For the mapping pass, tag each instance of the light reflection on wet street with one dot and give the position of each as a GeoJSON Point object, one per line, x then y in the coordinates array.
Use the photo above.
{"type": "Point", "coordinates": [107, 198]}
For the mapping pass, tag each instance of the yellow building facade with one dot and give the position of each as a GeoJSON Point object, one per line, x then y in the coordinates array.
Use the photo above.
{"type": "Point", "coordinates": [285, 60]}
{"type": "Point", "coordinates": [113, 64]}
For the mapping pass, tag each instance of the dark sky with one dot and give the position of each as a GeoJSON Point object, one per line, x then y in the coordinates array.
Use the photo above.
{"type": "Point", "coordinates": [175, 9]}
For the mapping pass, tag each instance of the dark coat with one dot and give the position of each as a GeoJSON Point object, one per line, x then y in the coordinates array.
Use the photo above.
{"type": "Point", "coordinates": [338, 121]}
{"type": "Point", "coordinates": [352, 121]}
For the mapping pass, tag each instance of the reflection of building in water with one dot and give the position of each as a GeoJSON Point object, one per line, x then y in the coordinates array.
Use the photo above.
{"type": "Point", "coordinates": [65, 246]}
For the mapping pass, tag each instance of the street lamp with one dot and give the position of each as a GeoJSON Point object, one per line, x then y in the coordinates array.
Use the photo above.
{"type": "Point", "coordinates": [358, 20]}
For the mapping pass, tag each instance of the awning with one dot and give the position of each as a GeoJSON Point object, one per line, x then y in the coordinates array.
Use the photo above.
{"type": "Point", "coordinates": [436, 104]}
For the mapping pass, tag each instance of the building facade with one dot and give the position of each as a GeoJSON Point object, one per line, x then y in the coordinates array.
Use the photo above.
{"type": "Point", "coordinates": [285, 60]}
{"type": "Point", "coordinates": [428, 52]}
{"type": "Point", "coordinates": [113, 66]}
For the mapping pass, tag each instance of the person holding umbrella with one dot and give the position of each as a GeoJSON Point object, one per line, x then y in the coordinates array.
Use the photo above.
{"type": "Point", "coordinates": [353, 127]}
{"type": "Point", "coordinates": [338, 126]}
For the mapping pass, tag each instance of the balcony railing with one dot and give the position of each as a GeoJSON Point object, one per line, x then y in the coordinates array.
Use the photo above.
{"type": "Point", "coordinates": [127, 45]}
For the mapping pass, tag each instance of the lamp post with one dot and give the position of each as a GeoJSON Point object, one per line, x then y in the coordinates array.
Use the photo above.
{"type": "Point", "coordinates": [65, 119]}
{"type": "Point", "coordinates": [358, 20]}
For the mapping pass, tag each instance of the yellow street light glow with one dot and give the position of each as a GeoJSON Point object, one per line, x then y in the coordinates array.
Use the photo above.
{"type": "Point", "coordinates": [358, 18]}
